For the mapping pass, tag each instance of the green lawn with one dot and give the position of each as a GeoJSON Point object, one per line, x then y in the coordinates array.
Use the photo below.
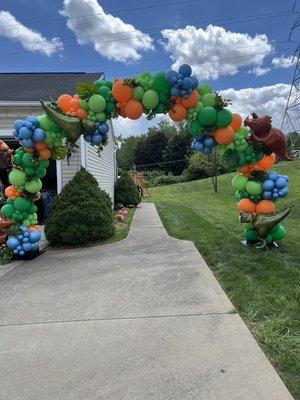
{"type": "Point", "coordinates": [261, 284]}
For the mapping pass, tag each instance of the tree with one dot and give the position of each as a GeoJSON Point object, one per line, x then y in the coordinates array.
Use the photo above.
{"type": "Point", "coordinates": [81, 213]}
{"type": "Point", "coordinates": [150, 151]}
{"type": "Point", "coordinates": [125, 153]}
{"type": "Point", "coordinates": [175, 153]}
{"type": "Point", "coordinates": [126, 193]}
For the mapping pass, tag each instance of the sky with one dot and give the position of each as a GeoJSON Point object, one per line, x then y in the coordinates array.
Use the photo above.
{"type": "Point", "coordinates": [239, 47]}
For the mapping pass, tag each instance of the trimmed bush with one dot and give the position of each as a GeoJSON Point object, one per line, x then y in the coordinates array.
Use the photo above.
{"type": "Point", "coordinates": [126, 193]}
{"type": "Point", "coordinates": [81, 213]}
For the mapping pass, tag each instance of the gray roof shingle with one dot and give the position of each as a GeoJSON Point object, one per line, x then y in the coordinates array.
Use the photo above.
{"type": "Point", "coordinates": [41, 86]}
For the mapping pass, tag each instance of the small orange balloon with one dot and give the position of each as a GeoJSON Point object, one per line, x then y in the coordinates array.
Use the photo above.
{"type": "Point", "coordinates": [81, 113]}
{"type": "Point", "coordinates": [191, 100]}
{"type": "Point", "coordinates": [64, 102]}
{"type": "Point", "coordinates": [236, 122]}
{"type": "Point", "coordinates": [246, 205]}
{"type": "Point", "coordinates": [74, 103]}
{"type": "Point", "coordinates": [40, 146]}
{"type": "Point", "coordinates": [265, 207]}
{"type": "Point", "coordinates": [177, 113]}
{"type": "Point", "coordinates": [224, 135]}
{"type": "Point", "coordinates": [11, 192]}
{"type": "Point", "coordinates": [120, 91]}
{"type": "Point", "coordinates": [45, 154]}
{"type": "Point", "coordinates": [133, 109]}
{"type": "Point", "coordinates": [266, 162]}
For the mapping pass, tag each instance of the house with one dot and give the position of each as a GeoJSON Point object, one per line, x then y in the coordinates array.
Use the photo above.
{"type": "Point", "coordinates": [20, 94]}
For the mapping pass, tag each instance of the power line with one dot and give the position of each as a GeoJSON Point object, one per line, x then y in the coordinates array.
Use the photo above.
{"type": "Point", "coordinates": [151, 29]}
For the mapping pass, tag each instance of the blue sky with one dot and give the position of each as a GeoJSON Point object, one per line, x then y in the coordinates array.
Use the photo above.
{"type": "Point", "coordinates": [245, 47]}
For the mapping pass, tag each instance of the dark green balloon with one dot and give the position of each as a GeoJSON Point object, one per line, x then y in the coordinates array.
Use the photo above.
{"type": "Point", "coordinates": [250, 234]}
{"type": "Point", "coordinates": [104, 91]}
{"type": "Point", "coordinates": [278, 232]}
{"type": "Point", "coordinates": [159, 82]}
{"type": "Point", "coordinates": [207, 116]}
{"type": "Point", "coordinates": [7, 210]}
{"type": "Point", "coordinates": [224, 118]}
{"type": "Point", "coordinates": [194, 127]}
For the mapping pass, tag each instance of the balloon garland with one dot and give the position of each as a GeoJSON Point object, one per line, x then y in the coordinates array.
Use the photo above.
{"type": "Point", "coordinates": [249, 148]}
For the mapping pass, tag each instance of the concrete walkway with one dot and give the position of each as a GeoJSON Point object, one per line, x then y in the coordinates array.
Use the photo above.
{"type": "Point", "coordinates": [140, 319]}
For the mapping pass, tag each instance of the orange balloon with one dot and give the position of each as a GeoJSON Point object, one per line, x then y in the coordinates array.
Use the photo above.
{"type": "Point", "coordinates": [74, 103]}
{"type": "Point", "coordinates": [246, 205]}
{"type": "Point", "coordinates": [266, 162]}
{"type": "Point", "coordinates": [81, 113]}
{"type": "Point", "coordinates": [45, 154]}
{"type": "Point", "coordinates": [224, 135]}
{"type": "Point", "coordinates": [33, 228]}
{"type": "Point", "coordinates": [177, 113]}
{"type": "Point", "coordinates": [120, 91]}
{"type": "Point", "coordinates": [11, 192]}
{"type": "Point", "coordinates": [191, 100]}
{"type": "Point", "coordinates": [265, 207]}
{"type": "Point", "coordinates": [64, 102]}
{"type": "Point", "coordinates": [40, 146]}
{"type": "Point", "coordinates": [133, 109]}
{"type": "Point", "coordinates": [236, 122]}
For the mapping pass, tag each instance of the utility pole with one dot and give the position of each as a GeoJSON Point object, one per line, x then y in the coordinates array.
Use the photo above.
{"type": "Point", "coordinates": [291, 117]}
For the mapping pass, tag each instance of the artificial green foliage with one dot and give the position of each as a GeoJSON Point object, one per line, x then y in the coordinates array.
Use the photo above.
{"type": "Point", "coordinates": [126, 193]}
{"type": "Point", "coordinates": [81, 213]}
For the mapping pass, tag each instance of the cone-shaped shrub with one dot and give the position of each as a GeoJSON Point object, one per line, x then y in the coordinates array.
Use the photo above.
{"type": "Point", "coordinates": [126, 193]}
{"type": "Point", "coordinates": [81, 213]}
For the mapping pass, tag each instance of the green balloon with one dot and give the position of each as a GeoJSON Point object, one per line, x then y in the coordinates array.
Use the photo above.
{"type": "Point", "coordinates": [160, 109]}
{"type": "Point", "coordinates": [198, 107]}
{"type": "Point", "coordinates": [278, 232]}
{"type": "Point", "coordinates": [110, 107]}
{"type": "Point", "coordinates": [17, 177]}
{"type": "Point", "coordinates": [84, 104]}
{"type": "Point", "coordinates": [208, 99]}
{"type": "Point", "coordinates": [163, 98]}
{"type": "Point", "coordinates": [207, 116]}
{"type": "Point", "coordinates": [33, 209]}
{"type": "Point", "coordinates": [40, 173]}
{"type": "Point", "coordinates": [241, 158]}
{"type": "Point", "coordinates": [49, 139]}
{"type": "Point", "coordinates": [242, 132]}
{"type": "Point", "coordinates": [150, 99]}
{"type": "Point", "coordinates": [33, 186]}
{"type": "Point", "coordinates": [104, 91]}
{"type": "Point", "coordinates": [224, 118]}
{"type": "Point", "coordinates": [7, 210]}
{"type": "Point", "coordinates": [22, 204]}
{"type": "Point", "coordinates": [29, 171]}
{"type": "Point", "coordinates": [44, 122]}
{"type": "Point", "coordinates": [137, 93]}
{"type": "Point", "coordinates": [44, 163]}
{"type": "Point", "coordinates": [239, 182]}
{"type": "Point", "coordinates": [203, 89]}
{"type": "Point", "coordinates": [250, 234]}
{"type": "Point", "coordinates": [159, 82]}
{"type": "Point", "coordinates": [97, 103]}
{"type": "Point", "coordinates": [195, 127]}
{"type": "Point", "coordinates": [101, 117]}
{"type": "Point", "coordinates": [28, 160]}
{"type": "Point", "coordinates": [18, 159]}
{"type": "Point", "coordinates": [254, 188]}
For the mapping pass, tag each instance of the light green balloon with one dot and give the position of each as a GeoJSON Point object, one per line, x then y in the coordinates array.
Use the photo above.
{"type": "Point", "coordinates": [137, 93]}
{"type": "Point", "coordinates": [239, 182]}
{"type": "Point", "coordinates": [101, 117]}
{"type": "Point", "coordinates": [203, 89]}
{"type": "Point", "coordinates": [33, 186]}
{"type": "Point", "coordinates": [84, 104]}
{"type": "Point", "coordinates": [208, 99]}
{"type": "Point", "coordinates": [17, 177]}
{"type": "Point", "coordinates": [254, 188]}
{"type": "Point", "coordinates": [150, 99]}
{"type": "Point", "coordinates": [44, 122]}
{"type": "Point", "coordinates": [97, 103]}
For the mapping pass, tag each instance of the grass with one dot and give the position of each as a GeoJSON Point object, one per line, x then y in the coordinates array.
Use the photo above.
{"type": "Point", "coordinates": [121, 228]}
{"type": "Point", "coordinates": [263, 285]}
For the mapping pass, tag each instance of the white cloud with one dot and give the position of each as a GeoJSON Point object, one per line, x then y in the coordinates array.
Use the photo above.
{"type": "Point", "coordinates": [259, 71]}
{"type": "Point", "coordinates": [128, 127]}
{"type": "Point", "coordinates": [214, 51]}
{"type": "Point", "coordinates": [31, 40]}
{"type": "Point", "coordinates": [111, 37]}
{"type": "Point", "coordinates": [269, 100]}
{"type": "Point", "coordinates": [284, 62]}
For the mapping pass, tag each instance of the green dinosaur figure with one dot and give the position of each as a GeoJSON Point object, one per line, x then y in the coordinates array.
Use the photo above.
{"type": "Point", "coordinates": [262, 224]}
{"type": "Point", "coordinates": [70, 125]}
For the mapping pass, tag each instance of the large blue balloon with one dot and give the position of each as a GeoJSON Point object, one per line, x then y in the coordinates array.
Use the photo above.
{"type": "Point", "coordinates": [185, 70]}
{"type": "Point", "coordinates": [38, 135]}
{"type": "Point", "coordinates": [13, 243]}
{"type": "Point", "coordinates": [18, 124]}
{"type": "Point", "coordinates": [27, 246]}
{"type": "Point", "coordinates": [268, 185]}
{"type": "Point", "coordinates": [25, 133]}
{"type": "Point", "coordinates": [171, 77]}
{"type": "Point", "coordinates": [35, 236]}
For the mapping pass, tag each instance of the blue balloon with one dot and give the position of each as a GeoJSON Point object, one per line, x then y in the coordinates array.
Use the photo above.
{"type": "Point", "coordinates": [18, 124]}
{"type": "Point", "coordinates": [267, 195]}
{"type": "Point", "coordinates": [25, 133]}
{"type": "Point", "coordinates": [175, 91]}
{"type": "Point", "coordinates": [209, 142]}
{"type": "Point", "coordinates": [275, 190]}
{"type": "Point", "coordinates": [27, 143]}
{"type": "Point", "coordinates": [183, 93]}
{"type": "Point", "coordinates": [280, 183]}
{"type": "Point", "coordinates": [33, 120]}
{"type": "Point", "coordinates": [16, 252]}
{"type": "Point", "coordinates": [88, 138]}
{"type": "Point", "coordinates": [207, 150]}
{"type": "Point", "coordinates": [275, 196]}
{"type": "Point", "coordinates": [103, 128]}
{"type": "Point", "coordinates": [34, 236]}
{"type": "Point", "coordinates": [185, 70]}
{"type": "Point", "coordinates": [22, 253]}
{"type": "Point", "coordinates": [199, 146]}
{"type": "Point", "coordinates": [26, 234]}
{"type": "Point", "coordinates": [170, 75]}
{"type": "Point", "coordinates": [19, 248]}
{"type": "Point", "coordinates": [97, 139]}
{"type": "Point", "coordinates": [27, 246]}
{"type": "Point", "coordinates": [34, 246]}
{"type": "Point", "coordinates": [179, 82]}
{"type": "Point", "coordinates": [283, 192]}
{"type": "Point", "coordinates": [16, 134]}
{"type": "Point", "coordinates": [273, 176]}
{"type": "Point", "coordinates": [25, 240]}
{"type": "Point", "coordinates": [20, 237]}
{"type": "Point", "coordinates": [286, 177]}
{"type": "Point", "coordinates": [39, 135]}
{"type": "Point", "coordinates": [268, 185]}
{"type": "Point", "coordinates": [13, 243]}
{"type": "Point", "coordinates": [180, 76]}
{"type": "Point", "coordinates": [187, 83]}
{"type": "Point", "coordinates": [195, 82]}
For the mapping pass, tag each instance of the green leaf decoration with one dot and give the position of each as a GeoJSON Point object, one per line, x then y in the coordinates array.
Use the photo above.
{"type": "Point", "coordinates": [86, 89]}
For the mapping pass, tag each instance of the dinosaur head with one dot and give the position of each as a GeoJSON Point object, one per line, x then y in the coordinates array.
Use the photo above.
{"type": "Point", "coordinates": [246, 217]}
{"type": "Point", "coordinates": [259, 125]}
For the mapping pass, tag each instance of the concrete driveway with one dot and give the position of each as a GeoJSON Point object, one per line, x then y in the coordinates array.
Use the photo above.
{"type": "Point", "coordinates": [143, 318]}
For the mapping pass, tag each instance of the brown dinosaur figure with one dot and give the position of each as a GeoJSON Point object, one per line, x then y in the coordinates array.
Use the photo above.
{"type": "Point", "coordinates": [273, 138]}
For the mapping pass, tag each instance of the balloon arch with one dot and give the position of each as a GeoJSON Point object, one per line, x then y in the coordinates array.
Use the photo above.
{"type": "Point", "coordinates": [250, 149]}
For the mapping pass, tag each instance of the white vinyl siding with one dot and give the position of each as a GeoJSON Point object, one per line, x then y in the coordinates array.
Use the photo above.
{"type": "Point", "coordinates": [71, 166]}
